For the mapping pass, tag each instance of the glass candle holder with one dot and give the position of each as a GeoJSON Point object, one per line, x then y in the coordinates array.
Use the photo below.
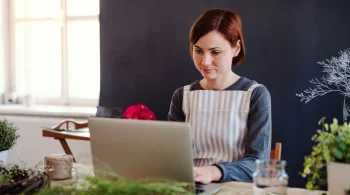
{"type": "Point", "coordinates": [270, 177]}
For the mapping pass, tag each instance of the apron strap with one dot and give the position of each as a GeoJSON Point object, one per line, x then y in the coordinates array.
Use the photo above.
{"type": "Point", "coordinates": [185, 106]}
{"type": "Point", "coordinates": [248, 96]}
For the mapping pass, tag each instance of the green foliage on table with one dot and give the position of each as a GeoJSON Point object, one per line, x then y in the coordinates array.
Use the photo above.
{"type": "Point", "coordinates": [18, 178]}
{"type": "Point", "coordinates": [333, 145]}
{"type": "Point", "coordinates": [117, 185]}
{"type": "Point", "coordinates": [8, 135]}
{"type": "Point", "coordinates": [4, 178]}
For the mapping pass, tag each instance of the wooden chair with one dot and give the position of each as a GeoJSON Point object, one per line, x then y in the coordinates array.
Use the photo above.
{"type": "Point", "coordinates": [69, 122]}
{"type": "Point", "coordinates": [276, 153]}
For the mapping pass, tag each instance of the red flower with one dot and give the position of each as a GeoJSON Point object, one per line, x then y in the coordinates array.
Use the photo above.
{"type": "Point", "coordinates": [139, 111]}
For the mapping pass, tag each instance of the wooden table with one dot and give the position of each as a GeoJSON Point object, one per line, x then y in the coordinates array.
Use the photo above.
{"type": "Point", "coordinates": [230, 188]}
{"type": "Point", "coordinates": [84, 134]}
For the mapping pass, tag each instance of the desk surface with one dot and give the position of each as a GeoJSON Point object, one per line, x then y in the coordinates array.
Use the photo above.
{"type": "Point", "coordinates": [230, 187]}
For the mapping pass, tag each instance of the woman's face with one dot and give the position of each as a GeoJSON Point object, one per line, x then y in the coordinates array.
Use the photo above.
{"type": "Point", "coordinates": [213, 55]}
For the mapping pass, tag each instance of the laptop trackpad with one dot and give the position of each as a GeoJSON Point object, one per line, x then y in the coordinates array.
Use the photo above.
{"type": "Point", "coordinates": [204, 189]}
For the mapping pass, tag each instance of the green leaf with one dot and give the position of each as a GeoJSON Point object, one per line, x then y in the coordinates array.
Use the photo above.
{"type": "Point", "coordinates": [321, 121]}
{"type": "Point", "coordinates": [342, 146]}
{"type": "Point", "coordinates": [323, 182]}
{"type": "Point", "coordinates": [337, 153]}
{"type": "Point", "coordinates": [335, 121]}
{"type": "Point", "coordinates": [326, 126]}
{"type": "Point", "coordinates": [307, 170]}
{"type": "Point", "coordinates": [309, 185]}
{"type": "Point", "coordinates": [337, 140]}
{"type": "Point", "coordinates": [334, 127]}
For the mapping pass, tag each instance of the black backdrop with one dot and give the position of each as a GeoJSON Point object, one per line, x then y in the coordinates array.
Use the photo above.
{"type": "Point", "coordinates": [145, 57]}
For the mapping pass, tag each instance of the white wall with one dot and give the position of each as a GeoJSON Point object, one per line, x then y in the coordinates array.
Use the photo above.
{"type": "Point", "coordinates": [32, 147]}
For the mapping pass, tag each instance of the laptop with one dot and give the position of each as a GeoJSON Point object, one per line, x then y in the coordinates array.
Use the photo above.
{"type": "Point", "coordinates": [139, 149]}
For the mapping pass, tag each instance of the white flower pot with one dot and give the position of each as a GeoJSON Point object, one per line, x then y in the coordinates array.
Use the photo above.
{"type": "Point", "coordinates": [338, 178]}
{"type": "Point", "coordinates": [3, 156]}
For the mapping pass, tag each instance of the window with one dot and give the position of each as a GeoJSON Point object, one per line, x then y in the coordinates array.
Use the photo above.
{"type": "Point", "coordinates": [55, 50]}
{"type": "Point", "coordinates": [2, 46]}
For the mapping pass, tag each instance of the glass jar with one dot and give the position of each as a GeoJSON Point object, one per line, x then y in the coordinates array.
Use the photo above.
{"type": "Point", "coordinates": [270, 177]}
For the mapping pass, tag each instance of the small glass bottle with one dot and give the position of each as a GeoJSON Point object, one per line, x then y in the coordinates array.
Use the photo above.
{"type": "Point", "coordinates": [270, 177]}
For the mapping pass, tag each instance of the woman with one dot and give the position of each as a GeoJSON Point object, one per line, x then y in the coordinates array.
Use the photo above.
{"type": "Point", "coordinates": [230, 115]}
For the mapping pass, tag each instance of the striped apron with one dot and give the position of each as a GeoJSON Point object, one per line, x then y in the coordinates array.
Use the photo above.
{"type": "Point", "coordinates": [218, 122]}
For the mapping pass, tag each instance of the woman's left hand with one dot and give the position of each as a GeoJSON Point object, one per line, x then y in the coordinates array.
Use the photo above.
{"type": "Point", "coordinates": [206, 174]}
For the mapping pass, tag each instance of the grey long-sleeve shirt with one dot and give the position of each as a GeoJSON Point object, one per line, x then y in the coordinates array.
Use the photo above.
{"type": "Point", "coordinates": [257, 141]}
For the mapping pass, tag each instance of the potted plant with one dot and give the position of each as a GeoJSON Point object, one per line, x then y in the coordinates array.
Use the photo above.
{"type": "Point", "coordinates": [8, 138]}
{"type": "Point", "coordinates": [332, 152]}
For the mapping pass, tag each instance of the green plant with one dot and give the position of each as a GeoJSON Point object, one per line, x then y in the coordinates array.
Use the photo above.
{"type": "Point", "coordinates": [8, 135]}
{"type": "Point", "coordinates": [117, 185]}
{"type": "Point", "coordinates": [4, 178]}
{"type": "Point", "coordinates": [333, 145]}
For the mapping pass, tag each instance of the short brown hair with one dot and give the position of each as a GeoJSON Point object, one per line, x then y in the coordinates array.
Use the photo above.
{"type": "Point", "coordinates": [227, 23]}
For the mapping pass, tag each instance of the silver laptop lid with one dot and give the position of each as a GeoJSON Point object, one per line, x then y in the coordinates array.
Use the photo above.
{"type": "Point", "coordinates": [138, 149]}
